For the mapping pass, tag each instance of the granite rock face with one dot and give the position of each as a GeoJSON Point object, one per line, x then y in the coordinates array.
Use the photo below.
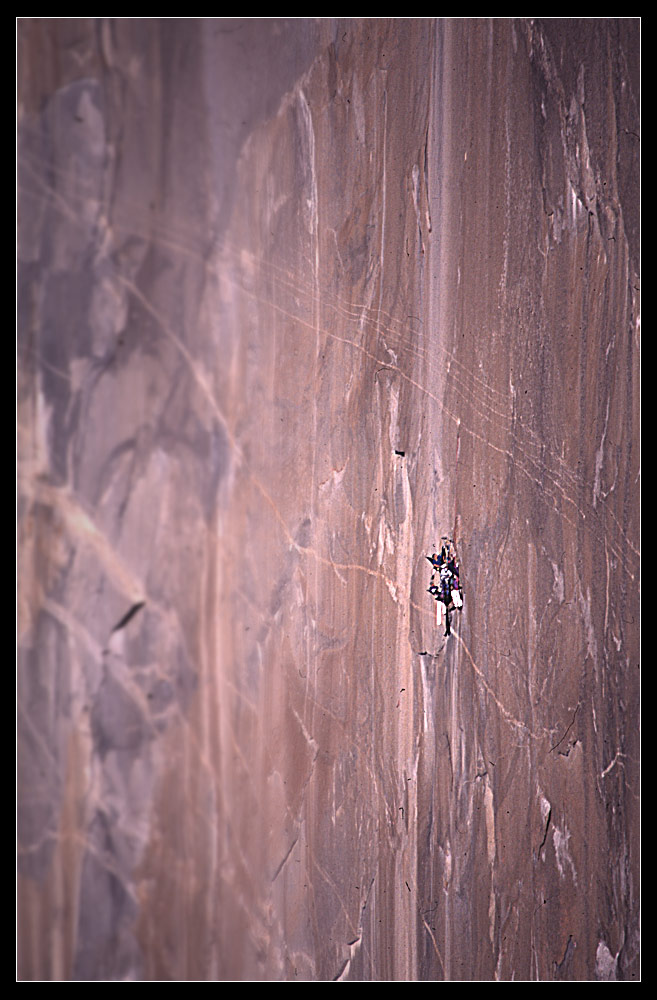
{"type": "Point", "coordinates": [296, 299]}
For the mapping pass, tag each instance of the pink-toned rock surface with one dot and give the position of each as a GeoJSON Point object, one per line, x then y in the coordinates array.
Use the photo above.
{"type": "Point", "coordinates": [295, 299]}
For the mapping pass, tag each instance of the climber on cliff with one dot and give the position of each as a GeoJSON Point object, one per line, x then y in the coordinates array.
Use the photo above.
{"type": "Point", "coordinates": [447, 592]}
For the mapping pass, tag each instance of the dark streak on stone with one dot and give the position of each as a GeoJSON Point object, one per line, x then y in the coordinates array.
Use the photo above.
{"type": "Point", "coordinates": [567, 731]}
{"type": "Point", "coordinates": [128, 616]}
{"type": "Point", "coordinates": [547, 827]}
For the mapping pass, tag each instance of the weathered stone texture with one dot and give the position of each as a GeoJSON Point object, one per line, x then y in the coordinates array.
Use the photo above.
{"type": "Point", "coordinates": [295, 299]}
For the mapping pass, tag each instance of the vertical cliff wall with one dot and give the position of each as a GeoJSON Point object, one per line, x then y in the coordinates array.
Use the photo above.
{"type": "Point", "coordinates": [295, 299]}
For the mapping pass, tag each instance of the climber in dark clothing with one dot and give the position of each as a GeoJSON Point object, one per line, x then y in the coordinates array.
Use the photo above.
{"type": "Point", "coordinates": [447, 592]}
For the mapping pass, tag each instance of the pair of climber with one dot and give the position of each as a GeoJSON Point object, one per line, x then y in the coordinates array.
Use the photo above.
{"type": "Point", "coordinates": [447, 591]}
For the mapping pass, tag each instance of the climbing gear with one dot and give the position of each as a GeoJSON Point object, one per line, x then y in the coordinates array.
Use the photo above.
{"type": "Point", "coordinates": [448, 592]}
